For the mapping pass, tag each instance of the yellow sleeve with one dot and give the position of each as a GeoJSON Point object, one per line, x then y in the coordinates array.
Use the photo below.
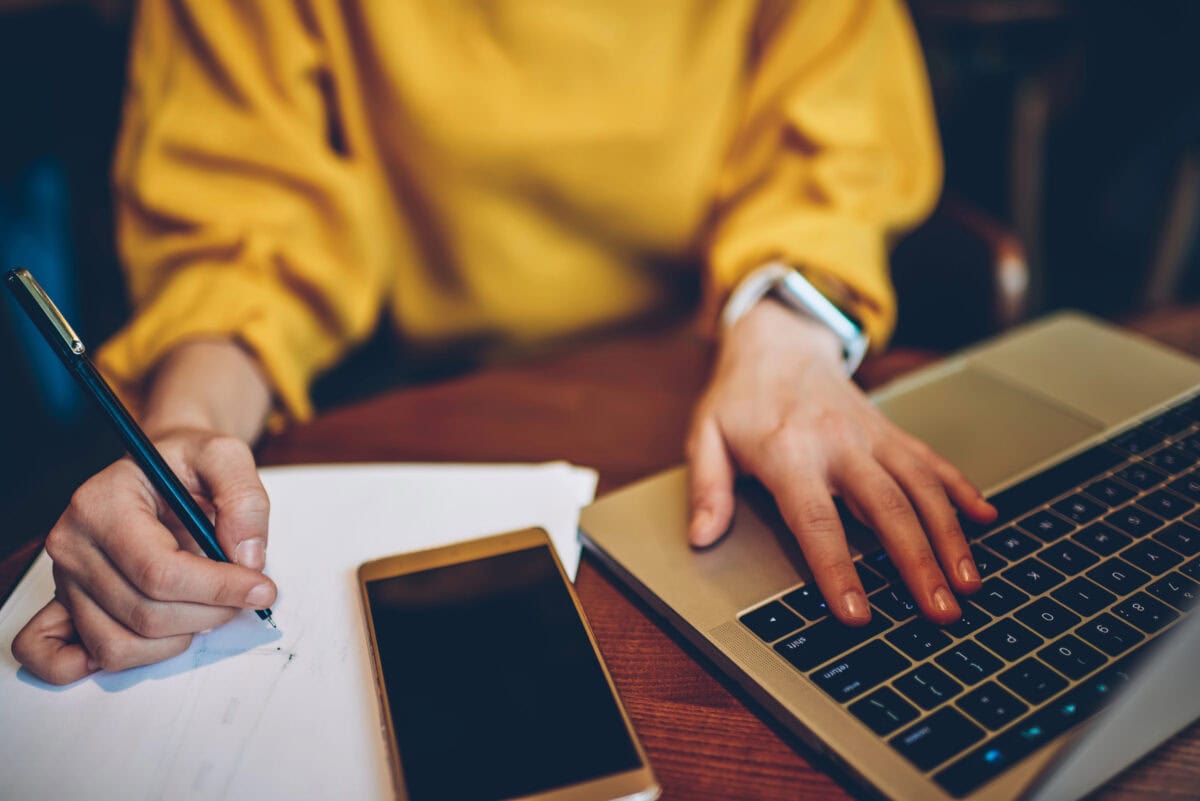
{"type": "Point", "coordinates": [836, 154]}
{"type": "Point", "coordinates": [242, 211]}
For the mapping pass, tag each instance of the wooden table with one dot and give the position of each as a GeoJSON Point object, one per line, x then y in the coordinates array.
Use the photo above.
{"type": "Point", "coordinates": [622, 407]}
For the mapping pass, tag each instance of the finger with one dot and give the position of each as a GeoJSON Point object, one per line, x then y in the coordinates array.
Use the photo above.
{"type": "Point", "coordinates": [48, 646]}
{"type": "Point", "coordinates": [110, 645]}
{"type": "Point", "coordinates": [965, 495]}
{"type": "Point", "coordinates": [879, 500]}
{"type": "Point", "coordinates": [146, 553]}
{"type": "Point", "coordinates": [225, 465]}
{"type": "Point", "coordinates": [929, 495]}
{"type": "Point", "coordinates": [711, 478]}
{"type": "Point", "coordinates": [139, 613]}
{"type": "Point", "coordinates": [807, 507]}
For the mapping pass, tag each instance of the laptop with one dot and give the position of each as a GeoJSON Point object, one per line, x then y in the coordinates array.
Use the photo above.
{"type": "Point", "coordinates": [1087, 440]}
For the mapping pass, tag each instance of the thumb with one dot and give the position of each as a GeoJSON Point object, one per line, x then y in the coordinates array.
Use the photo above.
{"type": "Point", "coordinates": [711, 479]}
{"type": "Point", "coordinates": [226, 467]}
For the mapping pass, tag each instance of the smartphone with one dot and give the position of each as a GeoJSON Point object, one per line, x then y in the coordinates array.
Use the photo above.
{"type": "Point", "coordinates": [490, 681]}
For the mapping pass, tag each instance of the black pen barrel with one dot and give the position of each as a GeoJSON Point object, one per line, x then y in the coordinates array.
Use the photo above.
{"type": "Point", "coordinates": [149, 459]}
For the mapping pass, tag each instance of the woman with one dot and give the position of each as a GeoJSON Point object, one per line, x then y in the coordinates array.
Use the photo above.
{"type": "Point", "coordinates": [501, 173]}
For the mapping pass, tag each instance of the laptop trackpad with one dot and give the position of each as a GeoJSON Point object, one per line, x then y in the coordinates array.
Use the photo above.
{"type": "Point", "coordinates": [990, 429]}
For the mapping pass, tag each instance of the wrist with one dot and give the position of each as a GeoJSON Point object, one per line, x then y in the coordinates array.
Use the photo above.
{"type": "Point", "coordinates": [769, 324]}
{"type": "Point", "coordinates": [795, 292]}
{"type": "Point", "coordinates": [212, 385]}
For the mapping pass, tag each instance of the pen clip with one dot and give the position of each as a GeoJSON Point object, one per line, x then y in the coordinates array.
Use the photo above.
{"type": "Point", "coordinates": [53, 315]}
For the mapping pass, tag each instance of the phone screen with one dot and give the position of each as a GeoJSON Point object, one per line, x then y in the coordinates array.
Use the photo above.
{"type": "Point", "coordinates": [495, 690]}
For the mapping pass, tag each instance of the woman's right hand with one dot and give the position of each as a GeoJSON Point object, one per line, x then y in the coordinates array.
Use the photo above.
{"type": "Point", "coordinates": [131, 586]}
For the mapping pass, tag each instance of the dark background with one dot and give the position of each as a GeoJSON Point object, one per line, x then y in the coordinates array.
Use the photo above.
{"type": "Point", "coordinates": [1075, 124]}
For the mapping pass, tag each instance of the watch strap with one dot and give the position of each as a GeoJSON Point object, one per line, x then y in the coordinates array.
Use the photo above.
{"type": "Point", "coordinates": [790, 287]}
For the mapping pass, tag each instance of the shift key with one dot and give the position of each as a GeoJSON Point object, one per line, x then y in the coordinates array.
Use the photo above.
{"type": "Point", "coordinates": [826, 639]}
{"type": "Point", "coordinates": [937, 738]}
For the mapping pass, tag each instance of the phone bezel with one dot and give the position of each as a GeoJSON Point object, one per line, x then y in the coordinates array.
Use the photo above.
{"type": "Point", "coordinates": [638, 784]}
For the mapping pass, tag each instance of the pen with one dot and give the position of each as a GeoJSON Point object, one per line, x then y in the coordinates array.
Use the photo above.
{"type": "Point", "coordinates": [70, 350]}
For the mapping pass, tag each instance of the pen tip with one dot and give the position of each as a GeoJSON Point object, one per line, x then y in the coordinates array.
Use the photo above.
{"type": "Point", "coordinates": [271, 620]}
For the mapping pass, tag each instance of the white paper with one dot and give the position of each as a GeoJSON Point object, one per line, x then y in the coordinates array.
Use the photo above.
{"type": "Point", "coordinates": [247, 712]}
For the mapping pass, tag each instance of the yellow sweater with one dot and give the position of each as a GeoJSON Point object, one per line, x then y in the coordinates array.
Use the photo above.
{"type": "Point", "coordinates": [500, 170]}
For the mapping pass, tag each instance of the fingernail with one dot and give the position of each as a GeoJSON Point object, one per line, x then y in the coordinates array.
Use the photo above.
{"type": "Point", "coordinates": [251, 553]}
{"type": "Point", "coordinates": [259, 597]}
{"type": "Point", "coordinates": [967, 573]}
{"type": "Point", "coordinates": [701, 522]}
{"type": "Point", "coordinates": [943, 601]}
{"type": "Point", "coordinates": [855, 604]}
{"type": "Point", "coordinates": [93, 665]}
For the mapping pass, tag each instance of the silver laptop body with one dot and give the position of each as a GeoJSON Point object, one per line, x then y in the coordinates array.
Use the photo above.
{"type": "Point", "coordinates": [1004, 411]}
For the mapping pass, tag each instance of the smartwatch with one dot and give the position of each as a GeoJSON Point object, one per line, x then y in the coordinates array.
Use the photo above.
{"type": "Point", "coordinates": [789, 286]}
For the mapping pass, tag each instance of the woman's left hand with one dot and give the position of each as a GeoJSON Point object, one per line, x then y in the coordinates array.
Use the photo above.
{"type": "Point", "coordinates": [780, 407]}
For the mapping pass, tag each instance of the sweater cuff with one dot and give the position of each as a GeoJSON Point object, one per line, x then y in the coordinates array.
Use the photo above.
{"type": "Point", "coordinates": [218, 301]}
{"type": "Point", "coordinates": [845, 259]}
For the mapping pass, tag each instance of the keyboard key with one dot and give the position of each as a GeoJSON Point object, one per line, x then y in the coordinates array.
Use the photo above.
{"type": "Point", "coordinates": [1011, 544]}
{"type": "Point", "coordinates": [927, 686]}
{"type": "Point", "coordinates": [1072, 657]}
{"type": "Point", "coordinates": [919, 639]}
{"type": "Point", "coordinates": [1104, 540]}
{"type": "Point", "coordinates": [998, 596]}
{"type": "Point", "coordinates": [1123, 670]}
{"type": "Point", "coordinates": [881, 563]}
{"type": "Point", "coordinates": [1180, 537]}
{"type": "Point", "coordinates": [859, 671]}
{"type": "Point", "coordinates": [1134, 521]}
{"type": "Point", "coordinates": [1142, 475]}
{"type": "Point", "coordinates": [1046, 526]}
{"type": "Point", "coordinates": [1009, 639]}
{"type": "Point", "coordinates": [1078, 508]}
{"type": "Point", "coordinates": [1083, 596]}
{"type": "Point", "coordinates": [1166, 504]}
{"type": "Point", "coordinates": [1147, 613]}
{"type": "Point", "coordinates": [1176, 589]}
{"type": "Point", "coordinates": [1188, 486]}
{"type": "Point", "coordinates": [968, 662]}
{"type": "Point", "coordinates": [1173, 459]}
{"type": "Point", "coordinates": [1032, 680]}
{"type": "Point", "coordinates": [822, 641]}
{"type": "Point", "coordinates": [808, 601]}
{"type": "Point", "coordinates": [1118, 576]}
{"type": "Point", "coordinates": [1048, 618]}
{"type": "Point", "coordinates": [1170, 422]}
{"type": "Point", "coordinates": [986, 562]}
{"type": "Point", "coordinates": [1151, 557]}
{"type": "Point", "coordinates": [1193, 518]}
{"type": "Point", "coordinates": [895, 602]}
{"type": "Point", "coordinates": [1192, 569]}
{"type": "Point", "coordinates": [992, 706]}
{"type": "Point", "coordinates": [937, 738]}
{"type": "Point", "coordinates": [1192, 440]}
{"type": "Point", "coordinates": [771, 621]}
{"type": "Point", "coordinates": [1109, 634]}
{"type": "Point", "coordinates": [884, 711]}
{"type": "Point", "coordinates": [966, 775]}
{"type": "Point", "coordinates": [1110, 492]}
{"type": "Point", "coordinates": [973, 618]}
{"type": "Point", "coordinates": [1034, 576]}
{"type": "Point", "coordinates": [869, 578]}
{"type": "Point", "coordinates": [1139, 440]}
{"type": "Point", "coordinates": [1068, 557]}
{"type": "Point", "coordinates": [1050, 483]}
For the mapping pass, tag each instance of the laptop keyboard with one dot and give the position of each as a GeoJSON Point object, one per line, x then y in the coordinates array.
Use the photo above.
{"type": "Point", "coordinates": [1088, 562]}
